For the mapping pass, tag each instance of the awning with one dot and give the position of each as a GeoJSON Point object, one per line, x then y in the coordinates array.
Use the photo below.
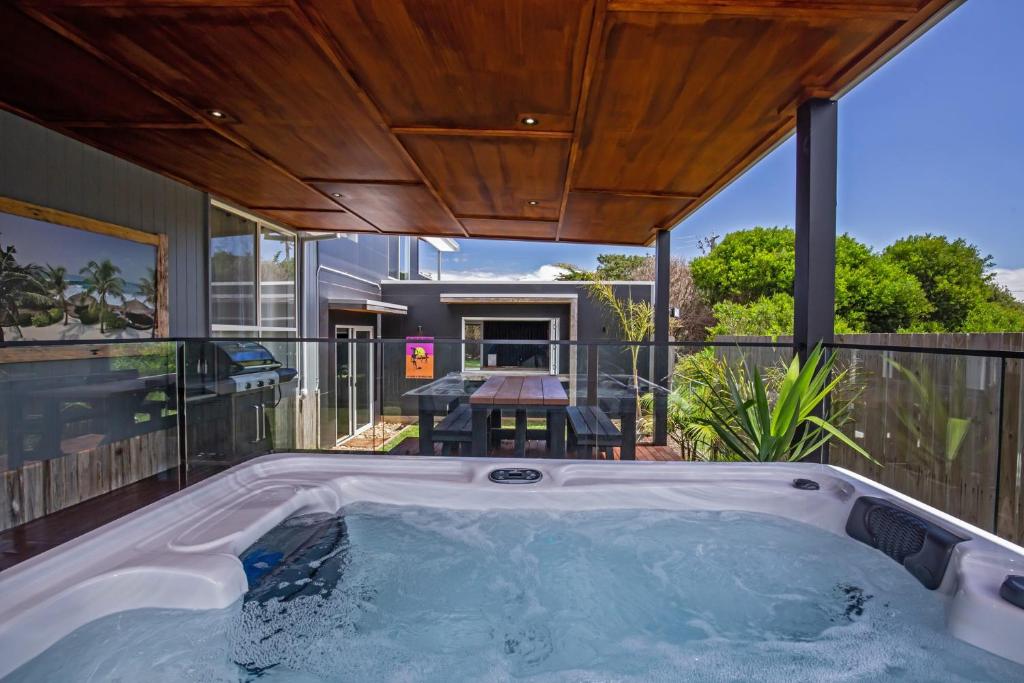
{"type": "Point", "coordinates": [367, 306]}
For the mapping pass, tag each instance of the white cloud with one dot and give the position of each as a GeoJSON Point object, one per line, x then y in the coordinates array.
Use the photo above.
{"type": "Point", "coordinates": [1012, 279]}
{"type": "Point", "coordinates": [546, 272]}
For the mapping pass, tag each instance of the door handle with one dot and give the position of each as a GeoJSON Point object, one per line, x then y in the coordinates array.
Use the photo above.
{"type": "Point", "coordinates": [257, 409]}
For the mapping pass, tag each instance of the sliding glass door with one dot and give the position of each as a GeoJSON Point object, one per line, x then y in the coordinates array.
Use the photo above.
{"type": "Point", "coordinates": [354, 382]}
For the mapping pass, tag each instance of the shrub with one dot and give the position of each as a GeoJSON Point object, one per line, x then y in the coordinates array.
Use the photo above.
{"type": "Point", "coordinates": [56, 315]}
{"type": "Point", "coordinates": [993, 316]}
{"type": "Point", "coordinates": [112, 321]}
{"type": "Point", "coordinates": [41, 319]}
{"type": "Point", "coordinates": [89, 315]}
{"type": "Point", "coordinates": [24, 319]}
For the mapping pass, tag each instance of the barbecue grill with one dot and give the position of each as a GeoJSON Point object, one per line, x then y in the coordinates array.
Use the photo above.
{"type": "Point", "coordinates": [231, 367]}
{"type": "Point", "coordinates": [231, 385]}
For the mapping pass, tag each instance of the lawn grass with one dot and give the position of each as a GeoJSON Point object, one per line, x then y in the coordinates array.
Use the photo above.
{"type": "Point", "coordinates": [410, 431]}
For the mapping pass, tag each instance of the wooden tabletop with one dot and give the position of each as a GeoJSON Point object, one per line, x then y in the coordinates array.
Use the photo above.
{"type": "Point", "coordinates": [516, 390]}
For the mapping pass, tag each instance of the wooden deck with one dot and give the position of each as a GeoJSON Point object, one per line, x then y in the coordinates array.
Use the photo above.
{"type": "Point", "coordinates": [538, 449]}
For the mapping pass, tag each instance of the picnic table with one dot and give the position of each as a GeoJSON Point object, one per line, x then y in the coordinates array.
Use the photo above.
{"type": "Point", "coordinates": [440, 397]}
{"type": "Point", "coordinates": [520, 393]}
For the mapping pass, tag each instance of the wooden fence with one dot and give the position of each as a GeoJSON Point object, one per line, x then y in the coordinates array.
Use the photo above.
{"type": "Point", "coordinates": [945, 429]}
{"type": "Point", "coordinates": [40, 487]}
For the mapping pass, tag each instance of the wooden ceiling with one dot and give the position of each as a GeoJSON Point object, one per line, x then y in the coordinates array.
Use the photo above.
{"type": "Point", "coordinates": [407, 116]}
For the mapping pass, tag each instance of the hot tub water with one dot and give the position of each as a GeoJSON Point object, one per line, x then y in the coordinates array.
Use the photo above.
{"type": "Point", "coordinates": [424, 594]}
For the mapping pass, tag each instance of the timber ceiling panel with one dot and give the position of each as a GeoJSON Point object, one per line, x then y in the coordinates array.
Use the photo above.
{"type": "Point", "coordinates": [341, 221]}
{"type": "Point", "coordinates": [210, 161]}
{"type": "Point", "coordinates": [281, 92]}
{"type": "Point", "coordinates": [616, 219]}
{"type": "Point", "coordinates": [510, 229]}
{"type": "Point", "coordinates": [401, 208]}
{"type": "Point", "coordinates": [680, 99]}
{"type": "Point", "coordinates": [88, 90]}
{"type": "Point", "coordinates": [494, 176]}
{"type": "Point", "coordinates": [414, 108]}
{"type": "Point", "coordinates": [482, 65]}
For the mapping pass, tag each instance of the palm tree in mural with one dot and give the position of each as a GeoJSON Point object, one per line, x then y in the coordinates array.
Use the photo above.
{"type": "Point", "coordinates": [18, 285]}
{"type": "Point", "coordinates": [57, 284]}
{"type": "Point", "coordinates": [102, 281]}
{"type": "Point", "coordinates": [147, 288]}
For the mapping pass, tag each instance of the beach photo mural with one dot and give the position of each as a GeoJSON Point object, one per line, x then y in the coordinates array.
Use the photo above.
{"type": "Point", "coordinates": [60, 282]}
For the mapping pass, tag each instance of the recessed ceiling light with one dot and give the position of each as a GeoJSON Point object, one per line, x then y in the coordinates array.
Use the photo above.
{"type": "Point", "coordinates": [217, 114]}
{"type": "Point", "coordinates": [529, 121]}
{"type": "Point", "coordinates": [533, 202]}
{"type": "Point", "coordinates": [335, 194]}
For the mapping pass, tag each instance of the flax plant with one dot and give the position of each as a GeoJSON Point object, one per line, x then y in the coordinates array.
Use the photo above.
{"type": "Point", "coordinates": [759, 425]}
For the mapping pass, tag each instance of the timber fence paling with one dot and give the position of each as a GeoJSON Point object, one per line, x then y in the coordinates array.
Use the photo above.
{"type": "Point", "coordinates": [41, 487]}
{"type": "Point", "coordinates": [983, 483]}
{"type": "Point", "coordinates": [965, 488]}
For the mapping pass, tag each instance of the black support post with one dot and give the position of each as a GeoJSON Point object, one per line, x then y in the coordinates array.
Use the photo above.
{"type": "Point", "coordinates": [814, 282]}
{"type": "Point", "coordinates": [662, 263]}
{"type": "Point", "coordinates": [815, 277]}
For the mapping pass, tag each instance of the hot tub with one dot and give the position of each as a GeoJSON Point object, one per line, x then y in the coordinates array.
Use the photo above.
{"type": "Point", "coordinates": [306, 567]}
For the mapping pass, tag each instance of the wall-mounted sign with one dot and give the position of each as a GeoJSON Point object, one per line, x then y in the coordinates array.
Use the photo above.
{"type": "Point", "coordinates": [419, 358]}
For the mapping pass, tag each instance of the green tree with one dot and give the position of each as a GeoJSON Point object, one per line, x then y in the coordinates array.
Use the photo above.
{"type": "Point", "coordinates": [102, 281]}
{"type": "Point", "coordinates": [755, 269]}
{"type": "Point", "coordinates": [873, 294]}
{"type": "Point", "coordinates": [769, 315]}
{"type": "Point", "coordinates": [636, 321]}
{"type": "Point", "coordinates": [747, 265]}
{"type": "Point", "coordinates": [993, 316]}
{"type": "Point", "coordinates": [148, 287]}
{"type": "Point", "coordinates": [953, 275]}
{"type": "Point", "coordinates": [19, 285]}
{"type": "Point", "coordinates": [57, 285]}
{"type": "Point", "coordinates": [610, 267]}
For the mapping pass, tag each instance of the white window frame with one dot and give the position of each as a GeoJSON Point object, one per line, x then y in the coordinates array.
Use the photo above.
{"type": "Point", "coordinates": [554, 325]}
{"type": "Point", "coordinates": [259, 328]}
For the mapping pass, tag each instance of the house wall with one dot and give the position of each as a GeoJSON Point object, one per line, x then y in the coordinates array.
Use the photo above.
{"type": "Point", "coordinates": [444, 321]}
{"type": "Point", "coordinates": [428, 316]}
{"type": "Point", "coordinates": [43, 167]}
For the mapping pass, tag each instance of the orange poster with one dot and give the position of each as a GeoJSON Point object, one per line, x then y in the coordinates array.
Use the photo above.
{"type": "Point", "coordinates": [419, 358]}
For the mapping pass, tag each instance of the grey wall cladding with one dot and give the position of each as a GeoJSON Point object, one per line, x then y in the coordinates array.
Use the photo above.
{"type": "Point", "coordinates": [43, 167]}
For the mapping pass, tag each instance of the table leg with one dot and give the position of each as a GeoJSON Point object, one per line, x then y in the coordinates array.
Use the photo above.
{"type": "Point", "coordinates": [426, 427]}
{"type": "Point", "coordinates": [628, 450]}
{"type": "Point", "coordinates": [556, 427]}
{"type": "Point", "coordinates": [520, 433]}
{"type": "Point", "coordinates": [480, 430]}
{"type": "Point", "coordinates": [495, 439]}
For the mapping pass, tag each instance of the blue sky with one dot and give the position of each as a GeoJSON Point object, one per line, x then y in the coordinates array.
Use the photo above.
{"type": "Point", "coordinates": [933, 141]}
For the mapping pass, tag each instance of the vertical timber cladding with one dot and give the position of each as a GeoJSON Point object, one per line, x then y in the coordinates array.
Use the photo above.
{"type": "Point", "coordinates": [43, 167]}
{"type": "Point", "coordinates": [54, 172]}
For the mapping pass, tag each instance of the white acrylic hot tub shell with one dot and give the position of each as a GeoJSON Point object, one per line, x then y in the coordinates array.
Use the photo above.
{"type": "Point", "coordinates": [182, 552]}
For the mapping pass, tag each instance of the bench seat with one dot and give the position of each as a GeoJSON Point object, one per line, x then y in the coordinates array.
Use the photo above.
{"type": "Point", "coordinates": [456, 428]}
{"type": "Point", "coordinates": [590, 427]}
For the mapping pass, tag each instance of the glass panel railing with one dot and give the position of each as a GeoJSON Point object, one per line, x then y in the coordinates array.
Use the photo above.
{"type": "Point", "coordinates": [409, 396]}
{"type": "Point", "coordinates": [930, 422]}
{"type": "Point", "coordinates": [83, 420]}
